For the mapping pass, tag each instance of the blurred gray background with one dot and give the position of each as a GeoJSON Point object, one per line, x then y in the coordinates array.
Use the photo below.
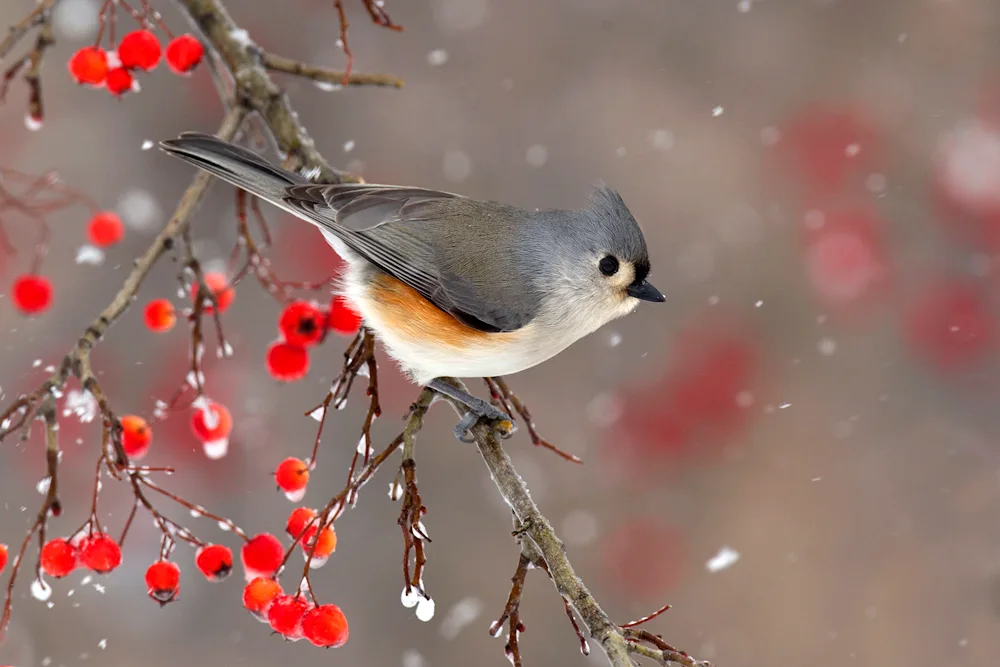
{"type": "Point", "coordinates": [857, 479]}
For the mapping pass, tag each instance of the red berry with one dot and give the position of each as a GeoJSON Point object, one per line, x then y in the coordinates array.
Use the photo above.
{"type": "Point", "coordinates": [287, 362]}
{"type": "Point", "coordinates": [100, 553]}
{"type": "Point", "coordinates": [58, 557]}
{"type": "Point", "coordinates": [325, 626]}
{"type": "Point", "coordinates": [160, 315]}
{"type": "Point", "coordinates": [343, 318]}
{"type": "Point", "coordinates": [262, 555]}
{"type": "Point", "coordinates": [3, 556]}
{"type": "Point", "coordinates": [302, 323]}
{"type": "Point", "coordinates": [89, 65]}
{"type": "Point", "coordinates": [215, 561]}
{"type": "Point", "coordinates": [259, 594]}
{"type": "Point", "coordinates": [140, 49]}
{"type": "Point", "coordinates": [184, 52]}
{"type": "Point", "coordinates": [298, 520]}
{"type": "Point", "coordinates": [221, 423]}
{"type": "Point", "coordinates": [136, 436]}
{"type": "Point", "coordinates": [951, 325]}
{"type": "Point", "coordinates": [292, 475]}
{"type": "Point", "coordinates": [220, 287]}
{"type": "Point", "coordinates": [32, 293]}
{"type": "Point", "coordinates": [644, 557]}
{"type": "Point", "coordinates": [119, 81]}
{"type": "Point", "coordinates": [285, 615]}
{"type": "Point", "coordinates": [163, 581]}
{"type": "Point", "coordinates": [106, 228]}
{"type": "Point", "coordinates": [326, 544]}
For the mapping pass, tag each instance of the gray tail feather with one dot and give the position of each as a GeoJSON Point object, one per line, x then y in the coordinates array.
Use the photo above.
{"type": "Point", "coordinates": [234, 164]}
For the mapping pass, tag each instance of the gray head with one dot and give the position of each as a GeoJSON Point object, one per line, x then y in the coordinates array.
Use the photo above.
{"type": "Point", "coordinates": [600, 262]}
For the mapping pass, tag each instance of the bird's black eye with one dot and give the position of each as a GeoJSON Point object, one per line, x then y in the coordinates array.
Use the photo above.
{"type": "Point", "coordinates": [609, 265]}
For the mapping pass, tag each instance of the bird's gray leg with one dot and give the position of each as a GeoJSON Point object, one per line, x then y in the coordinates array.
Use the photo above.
{"type": "Point", "coordinates": [478, 408]}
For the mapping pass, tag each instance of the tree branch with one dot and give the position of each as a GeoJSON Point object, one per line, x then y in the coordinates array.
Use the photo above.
{"type": "Point", "coordinates": [616, 642]}
{"type": "Point", "coordinates": [258, 92]}
{"type": "Point", "coordinates": [277, 63]}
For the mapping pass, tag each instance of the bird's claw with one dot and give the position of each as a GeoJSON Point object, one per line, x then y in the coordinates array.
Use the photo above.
{"type": "Point", "coordinates": [503, 425]}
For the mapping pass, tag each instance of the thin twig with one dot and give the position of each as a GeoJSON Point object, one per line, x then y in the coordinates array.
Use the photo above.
{"type": "Point", "coordinates": [277, 63]}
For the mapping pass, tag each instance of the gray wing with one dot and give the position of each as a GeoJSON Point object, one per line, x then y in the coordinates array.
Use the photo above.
{"type": "Point", "coordinates": [421, 237]}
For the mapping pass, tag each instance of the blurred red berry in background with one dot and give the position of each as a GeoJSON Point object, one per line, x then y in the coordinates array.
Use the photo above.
{"type": "Point", "coordinates": [950, 326]}
{"type": "Point", "coordinates": [823, 145]}
{"type": "Point", "coordinates": [698, 403]}
{"type": "Point", "coordinates": [845, 257]}
{"type": "Point", "coordinates": [643, 558]}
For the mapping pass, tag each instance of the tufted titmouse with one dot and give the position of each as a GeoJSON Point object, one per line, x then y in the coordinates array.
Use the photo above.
{"type": "Point", "coordinates": [451, 285]}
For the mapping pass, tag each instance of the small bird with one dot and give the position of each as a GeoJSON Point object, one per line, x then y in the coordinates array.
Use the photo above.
{"type": "Point", "coordinates": [452, 286]}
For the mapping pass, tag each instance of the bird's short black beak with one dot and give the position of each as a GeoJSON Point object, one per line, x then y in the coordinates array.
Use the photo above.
{"type": "Point", "coordinates": [643, 290]}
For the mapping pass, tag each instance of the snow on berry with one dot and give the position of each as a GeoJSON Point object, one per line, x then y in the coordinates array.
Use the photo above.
{"type": "Point", "coordinates": [259, 594]}
{"type": "Point", "coordinates": [215, 561]}
{"type": "Point", "coordinates": [343, 318]}
{"type": "Point", "coordinates": [325, 626]}
{"type": "Point", "coordinates": [220, 287]}
{"type": "Point", "coordinates": [163, 581]}
{"type": "Point", "coordinates": [298, 520]}
{"type": "Point", "coordinates": [100, 553]}
{"type": "Point", "coordinates": [136, 436]}
{"type": "Point", "coordinates": [105, 228]}
{"type": "Point", "coordinates": [58, 557]}
{"type": "Point", "coordinates": [287, 362]}
{"type": "Point", "coordinates": [32, 293]}
{"type": "Point", "coordinates": [3, 556]}
{"type": "Point", "coordinates": [262, 556]}
{"type": "Point", "coordinates": [119, 81]}
{"type": "Point", "coordinates": [285, 615]}
{"type": "Point", "coordinates": [302, 323]}
{"type": "Point", "coordinates": [160, 315]}
{"type": "Point", "coordinates": [140, 49]}
{"type": "Point", "coordinates": [215, 425]}
{"type": "Point", "coordinates": [292, 476]}
{"type": "Point", "coordinates": [184, 52]}
{"type": "Point", "coordinates": [89, 65]}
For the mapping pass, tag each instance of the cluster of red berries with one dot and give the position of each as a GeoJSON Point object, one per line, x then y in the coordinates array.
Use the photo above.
{"type": "Point", "coordinates": [32, 293]}
{"type": "Point", "coordinates": [3, 556]}
{"type": "Point", "coordinates": [97, 552]}
{"type": "Point", "coordinates": [302, 325]}
{"type": "Point", "coordinates": [139, 50]}
{"type": "Point", "coordinates": [163, 578]}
